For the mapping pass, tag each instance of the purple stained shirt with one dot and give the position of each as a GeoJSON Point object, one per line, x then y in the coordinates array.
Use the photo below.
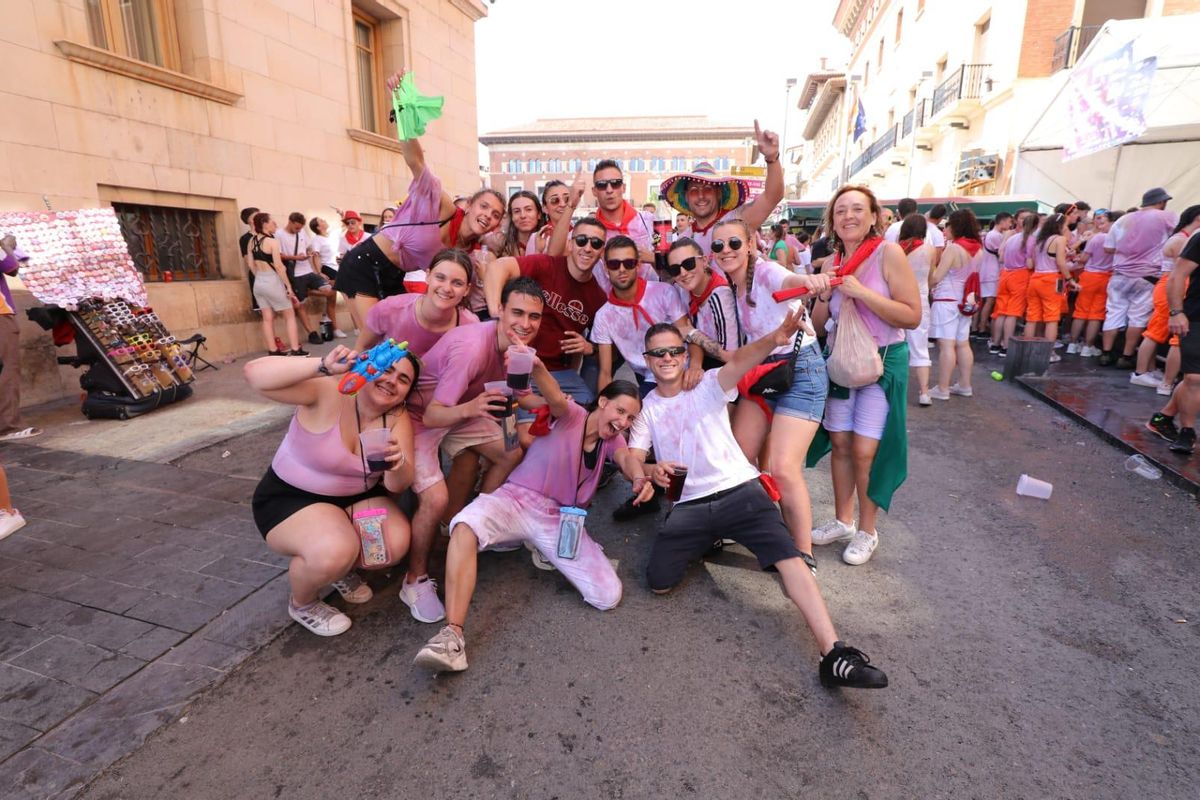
{"type": "Point", "coordinates": [554, 466]}
{"type": "Point", "coordinates": [396, 318]}
{"type": "Point", "coordinates": [1137, 240]}
{"type": "Point", "coordinates": [456, 368]}
{"type": "Point", "coordinates": [417, 244]}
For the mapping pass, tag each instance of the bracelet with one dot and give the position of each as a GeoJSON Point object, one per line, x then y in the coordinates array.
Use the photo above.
{"type": "Point", "coordinates": [1176, 311]}
{"type": "Point", "coordinates": [322, 369]}
{"type": "Point", "coordinates": [769, 161]}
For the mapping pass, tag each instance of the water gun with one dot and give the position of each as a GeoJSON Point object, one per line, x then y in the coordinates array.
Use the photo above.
{"type": "Point", "coordinates": [371, 364]}
{"type": "Point", "coordinates": [783, 295]}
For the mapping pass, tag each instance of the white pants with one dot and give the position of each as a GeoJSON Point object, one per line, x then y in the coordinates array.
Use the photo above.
{"type": "Point", "coordinates": [918, 339]}
{"type": "Point", "coordinates": [1130, 302]}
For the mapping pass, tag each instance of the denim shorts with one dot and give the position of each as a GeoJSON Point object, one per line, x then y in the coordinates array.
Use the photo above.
{"type": "Point", "coordinates": [810, 385]}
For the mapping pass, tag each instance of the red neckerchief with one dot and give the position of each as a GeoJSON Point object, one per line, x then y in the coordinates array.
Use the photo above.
{"type": "Point", "coordinates": [628, 215]}
{"type": "Point", "coordinates": [698, 229]}
{"type": "Point", "coordinates": [694, 302]}
{"type": "Point", "coordinates": [908, 245]}
{"type": "Point", "coordinates": [541, 422]}
{"type": "Point", "coordinates": [352, 239]}
{"type": "Point", "coordinates": [635, 304]}
{"type": "Point", "coordinates": [864, 251]}
{"type": "Point", "coordinates": [455, 224]}
{"type": "Point", "coordinates": [970, 245]}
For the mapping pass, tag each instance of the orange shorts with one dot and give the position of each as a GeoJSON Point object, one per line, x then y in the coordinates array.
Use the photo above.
{"type": "Point", "coordinates": [1045, 301]}
{"type": "Point", "coordinates": [1093, 295]}
{"type": "Point", "coordinates": [1010, 293]}
{"type": "Point", "coordinates": [1156, 328]}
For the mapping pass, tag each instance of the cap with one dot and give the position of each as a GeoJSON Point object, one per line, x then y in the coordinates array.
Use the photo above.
{"type": "Point", "coordinates": [1155, 196]}
{"type": "Point", "coordinates": [349, 215]}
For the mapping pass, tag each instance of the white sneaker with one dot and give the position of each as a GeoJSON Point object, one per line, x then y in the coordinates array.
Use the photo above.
{"type": "Point", "coordinates": [960, 391]}
{"type": "Point", "coordinates": [1146, 379]}
{"type": "Point", "coordinates": [1055, 358]}
{"type": "Point", "coordinates": [446, 652]}
{"type": "Point", "coordinates": [353, 589]}
{"type": "Point", "coordinates": [1058, 345]}
{"type": "Point", "coordinates": [338, 333]}
{"type": "Point", "coordinates": [833, 531]}
{"type": "Point", "coordinates": [937, 394]}
{"type": "Point", "coordinates": [862, 546]}
{"type": "Point", "coordinates": [539, 560]}
{"type": "Point", "coordinates": [10, 522]}
{"type": "Point", "coordinates": [320, 618]}
{"type": "Point", "coordinates": [923, 399]}
{"type": "Point", "coordinates": [1073, 349]}
{"type": "Point", "coordinates": [422, 600]}
{"type": "Point", "coordinates": [1088, 352]}
{"type": "Point", "coordinates": [1157, 374]}
{"type": "Point", "coordinates": [1165, 389]}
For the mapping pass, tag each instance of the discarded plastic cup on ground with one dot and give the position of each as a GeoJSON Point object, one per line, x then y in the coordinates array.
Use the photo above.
{"type": "Point", "coordinates": [1032, 487]}
{"type": "Point", "coordinates": [1139, 464]}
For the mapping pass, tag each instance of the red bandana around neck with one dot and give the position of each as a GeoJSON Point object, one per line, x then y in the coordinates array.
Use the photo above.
{"type": "Point", "coordinates": [694, 303]}
{"type": "Point", "coordinates": [864, 251]}
{"type": "Point", "coordinates": [541, 422]}
{"type": "Point", "coordinates": [628, 215]}
{"type": "Point", "coordinates": [635, 304]}
{"type": "Point", "coordinates": [455, 224]}
{"type": "Point", "coordinates": [355, 238]}
{"type": "Point", "coordinates": [908, 245]}
{"type": "Point", "coordinates": [970, 245]}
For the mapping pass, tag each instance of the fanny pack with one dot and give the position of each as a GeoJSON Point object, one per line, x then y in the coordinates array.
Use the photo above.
{"type": "Point", "coordinates": [767, 380]}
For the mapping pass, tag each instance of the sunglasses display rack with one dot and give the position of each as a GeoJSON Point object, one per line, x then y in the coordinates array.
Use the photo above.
{"type": "Point", "coordinates": [136, 346]}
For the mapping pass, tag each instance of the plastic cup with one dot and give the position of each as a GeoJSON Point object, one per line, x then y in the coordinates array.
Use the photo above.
{"type": "Point", "coordinates": [675, 487]}
{"type": "Point", "coordinates": [498, 386]}
{"type": "Point", "coordinates": [520, 364]}
{"type": "Point", "coordinates": [1032, 487]}
{"type": "Point", "coordinates": [1139, 465]}
{"type": "Point", "coordinates": [374, 445]}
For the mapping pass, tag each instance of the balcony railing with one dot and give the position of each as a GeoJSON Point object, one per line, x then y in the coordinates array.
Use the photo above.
{"type": "Point", "coordinates": [919, 114]}
{"type": "Point", "coordinates": [1070, 43]}
{"type": "Point", "coordinates": [877, 149]}
{"type": "Point", "coordinates": [965, 83]}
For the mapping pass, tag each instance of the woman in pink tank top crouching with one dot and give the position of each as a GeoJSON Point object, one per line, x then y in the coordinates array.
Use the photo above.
{"type": "Point", "coordinates": [324, 501]}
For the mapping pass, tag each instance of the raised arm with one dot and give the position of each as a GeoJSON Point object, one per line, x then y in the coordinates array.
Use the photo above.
{"type": "Point", "coordinates": [562, 225]}
{"type": "Point", "coordinates": [499, 272]}
{"type": "Point", "coordinates": [549, 389]}
{"type": "Point", "coordinates": [756, 213]}
{"type": "Point", "coordinates": [749, 356]}
{"type": "Point", "coordinates": [414, 154]}
{"type": "Point", "coordinates": [296, 381]}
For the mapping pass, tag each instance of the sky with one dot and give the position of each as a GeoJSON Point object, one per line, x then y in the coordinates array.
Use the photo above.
{"type": "Point", "coordinates": [542, 58]}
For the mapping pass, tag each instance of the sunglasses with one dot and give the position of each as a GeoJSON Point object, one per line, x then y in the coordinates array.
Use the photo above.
{"type": "Point", "coordinates": [688, 263]}
{"type": "Point", "coordinates": [614, 183]}
{"type": "Point", "coordinates": [735, 244]}
{"type": "Point", "coordinates": [663, 352]}
{"type": "Point", "coordinates": [621, 263]}
{"type": "Point", "coordinates": [583, 239]}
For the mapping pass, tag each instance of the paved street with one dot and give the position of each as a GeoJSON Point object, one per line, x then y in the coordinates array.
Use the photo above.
{"type": "Point", "coordinates": [1035, 649]}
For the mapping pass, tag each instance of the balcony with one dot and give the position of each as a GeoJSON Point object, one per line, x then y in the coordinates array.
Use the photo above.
{"type": "Point", "coordinates": [967, 83]}
{"type": "Point", "coordinates": [1070, 44]}
{"type": "Point", "coordinates": [917, 117]}
{"type": "Point", "coordinates": [878, 148]}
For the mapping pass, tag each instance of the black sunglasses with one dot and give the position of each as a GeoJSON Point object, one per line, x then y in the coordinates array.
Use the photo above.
{"type": "Point", "coordinates": [688, 263]}
{"type": "Point", "coordinates": [735, 244]}
{"type": "Point", "coordinates": [663, 352]}
{"type": "Point", "coordinates": [615, 183]}
{"type": "Point", "coordinates": [621, 263]}
{"type": "Point", "coordinates": [583, 239]}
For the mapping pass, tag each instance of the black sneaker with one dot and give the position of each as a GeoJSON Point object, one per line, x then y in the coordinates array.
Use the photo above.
{"type": "Point", "coordinates": [314, 337]}
{"type": "Point", "coordinates": [300, 352]}
{"type": "Point", "coordinates": [993, 349]}
{"type": "Point", "coordinates": [1106, 359]}
{"type": "Point", "coordinates": [848, 666]}
{"type": "Point", "coordinates": [1002, 352]}
{"type": "Point", "coordinates": [1185, 443]}
{"type": "Point", "coordinates": [1164, 426]}
{"type": "Point", "coordinates": [1125, 362]}
{"type": "Point", "coordinates": [628, 510]}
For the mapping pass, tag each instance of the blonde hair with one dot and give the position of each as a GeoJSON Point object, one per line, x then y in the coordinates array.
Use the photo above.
{"type": "Point", "coordinates": [834, 242]}
{"type": "Point", "coordinates": [751, 256]}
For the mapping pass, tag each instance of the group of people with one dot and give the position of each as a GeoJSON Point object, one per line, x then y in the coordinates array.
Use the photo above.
{"type": "Point", "coordinates": [730, 398]}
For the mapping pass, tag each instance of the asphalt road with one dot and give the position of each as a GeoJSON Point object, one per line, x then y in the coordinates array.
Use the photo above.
{"type": "Point", "coordinates": [1035, 649]}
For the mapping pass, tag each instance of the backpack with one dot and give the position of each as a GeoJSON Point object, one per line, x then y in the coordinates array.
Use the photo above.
{"type": "Point", "coordinates": [970, 297]}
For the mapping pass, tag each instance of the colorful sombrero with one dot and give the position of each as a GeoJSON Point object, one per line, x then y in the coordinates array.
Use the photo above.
{"type": "Point", "coordinates": [733, 191]}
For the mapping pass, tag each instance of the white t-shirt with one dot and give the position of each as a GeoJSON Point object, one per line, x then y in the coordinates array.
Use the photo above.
{"type": "Point", "coordinates": [692, 428]}
{"type": "Point", "coordinates": [625, 328]}
{"type": "Point", "coordinates": [933, 236]}
{"type": "Point", "coordinates": [296, 244]}
{"type": "Point", "coordinates": [327, 252]}
{"type": "Point", "coordinates": [765, 315]}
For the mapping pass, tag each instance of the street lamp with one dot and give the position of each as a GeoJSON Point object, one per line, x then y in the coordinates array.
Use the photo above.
{"type": "Point", "coordinates": [787, 105]}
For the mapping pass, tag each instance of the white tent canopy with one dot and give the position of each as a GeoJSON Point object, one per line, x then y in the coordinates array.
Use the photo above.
{"type": "Point", "coordinates": [1167, 154]}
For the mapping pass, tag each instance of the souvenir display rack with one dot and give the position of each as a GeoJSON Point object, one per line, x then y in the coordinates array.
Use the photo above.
{"type": "Point", "coordinates": [134, 345]}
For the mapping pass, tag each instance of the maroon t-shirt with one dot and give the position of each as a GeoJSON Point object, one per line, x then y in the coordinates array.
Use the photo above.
{"type": "Point", "coordinates": [570, 305]}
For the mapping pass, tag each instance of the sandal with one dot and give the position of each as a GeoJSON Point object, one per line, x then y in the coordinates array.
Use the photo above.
{"type": "Point", "coordinates": [24, 433]}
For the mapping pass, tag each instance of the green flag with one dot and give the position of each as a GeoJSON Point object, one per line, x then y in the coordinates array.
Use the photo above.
{"type": "Point", "coordinates": [413, 110]}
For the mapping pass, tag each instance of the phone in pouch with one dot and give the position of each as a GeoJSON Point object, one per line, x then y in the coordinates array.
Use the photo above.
{"type": "Point", "coordinates": [508, 424]}
{"type": "Point", "coordinates": [1058, 286]}
{"type": "Point", "coordinates": [369, 524]}
{"type": "Point", "coordinates": [570, 530]}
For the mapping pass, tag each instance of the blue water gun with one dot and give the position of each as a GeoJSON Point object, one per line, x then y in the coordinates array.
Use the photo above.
{"type": "Point", "coordinates": [371, 364]}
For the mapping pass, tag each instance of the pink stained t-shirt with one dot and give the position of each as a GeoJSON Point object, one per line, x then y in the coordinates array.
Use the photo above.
{"type": "Point", "coordinates": [320, 463]}
{"type": "Point", "coordinates": [417, 244]}
{"type": "Point", "coordinates": [553, 464]}
{"type": "Point", "coordinates": [870, 274]}
{"type": "Point", "coordinates": [1098, 259]}
{"type": "Point", "coordinates": [989, 260]}
{"type": "Point", "coordinates": [396, 318]}
{"type": "Point", "coordinates": [1138, 238]}
{"type": "Point", "coordinates": [455, 369]}
{"type": "Point", "coordinates": [1043, 262]}
{"type": "Point", "coordinates": [1013, 256]}
{"type": "Point", "coordinates": [626, 329]}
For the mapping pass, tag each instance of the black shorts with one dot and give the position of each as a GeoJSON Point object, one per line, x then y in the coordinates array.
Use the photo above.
{"type": "Point", "coordinates": [275, 500]}
{"type": "Point", "coordinates": [303, 284]}
{"type": "Point", "coordinates": [744, 513]}
{"type": "Point", "coordinates": [1189, 349]}
{"type": "Point", "coordinates": [329, 272]}
{"type": "Point", "coordinates": [366, 270]}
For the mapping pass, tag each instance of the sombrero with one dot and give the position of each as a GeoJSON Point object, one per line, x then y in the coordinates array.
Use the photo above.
{"type": "Point", "coordinates": [733, 191]}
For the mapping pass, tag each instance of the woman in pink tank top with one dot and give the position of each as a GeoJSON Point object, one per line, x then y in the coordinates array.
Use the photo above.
{"type": "Point", "coordinates": [321, 477]}
{"type": "Point", "coordinates": [884, 290]}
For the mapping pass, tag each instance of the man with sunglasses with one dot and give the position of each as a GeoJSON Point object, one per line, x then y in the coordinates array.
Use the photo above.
{"type": "Point", "coordinates": [618, 217]}
{"type": "Point", "coordinates": [572, 295]}
{"type": "Point", "coordinates": [722, 491]}
{"type": "Point", "coordinates": [634, 304]}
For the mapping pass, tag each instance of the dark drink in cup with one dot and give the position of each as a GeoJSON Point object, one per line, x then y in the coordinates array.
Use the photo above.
{"type": "Point", "coordinates": [377, 464]}
{"type": "Point", "coordinates": [520, 364]}
{"type": "Point", "coordinates": [518, 382]}
{"type": "Point", "coordinates": [503, 412]}
{"type": "Point", "coordinates": [675, 487]}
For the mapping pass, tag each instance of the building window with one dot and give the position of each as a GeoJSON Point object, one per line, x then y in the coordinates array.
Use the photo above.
{"type": "Point", "coordinates": [366, 61]}
{"type": "Point", "coordinates": [657, 165]}
{"type": "Point", "coordinates": [140, 29]}
{"type": "Point", "coordinates": [677, 163]}
{"type": "Point", "coordinates": [179, 241]}
{"type": "Point", "coordinates": [899, 25]}
{"type": "Point", "coordinates": [592, 164]}
{"type": "Point", "coordinates": [722, 163]}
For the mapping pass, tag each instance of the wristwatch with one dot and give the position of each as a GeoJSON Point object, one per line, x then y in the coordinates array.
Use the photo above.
{"type": "Point", "coordinates": [1174, 312]}
{"type": "Point", "coordinates": [322, 369]}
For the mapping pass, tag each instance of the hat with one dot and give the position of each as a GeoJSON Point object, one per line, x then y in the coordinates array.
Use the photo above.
{"type": "Point", "coordinates": [733, 191]}
{"type": "Point", "coordinates": [1155, 196]}
{"type": "Point", "coordinates": [349, 215]}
